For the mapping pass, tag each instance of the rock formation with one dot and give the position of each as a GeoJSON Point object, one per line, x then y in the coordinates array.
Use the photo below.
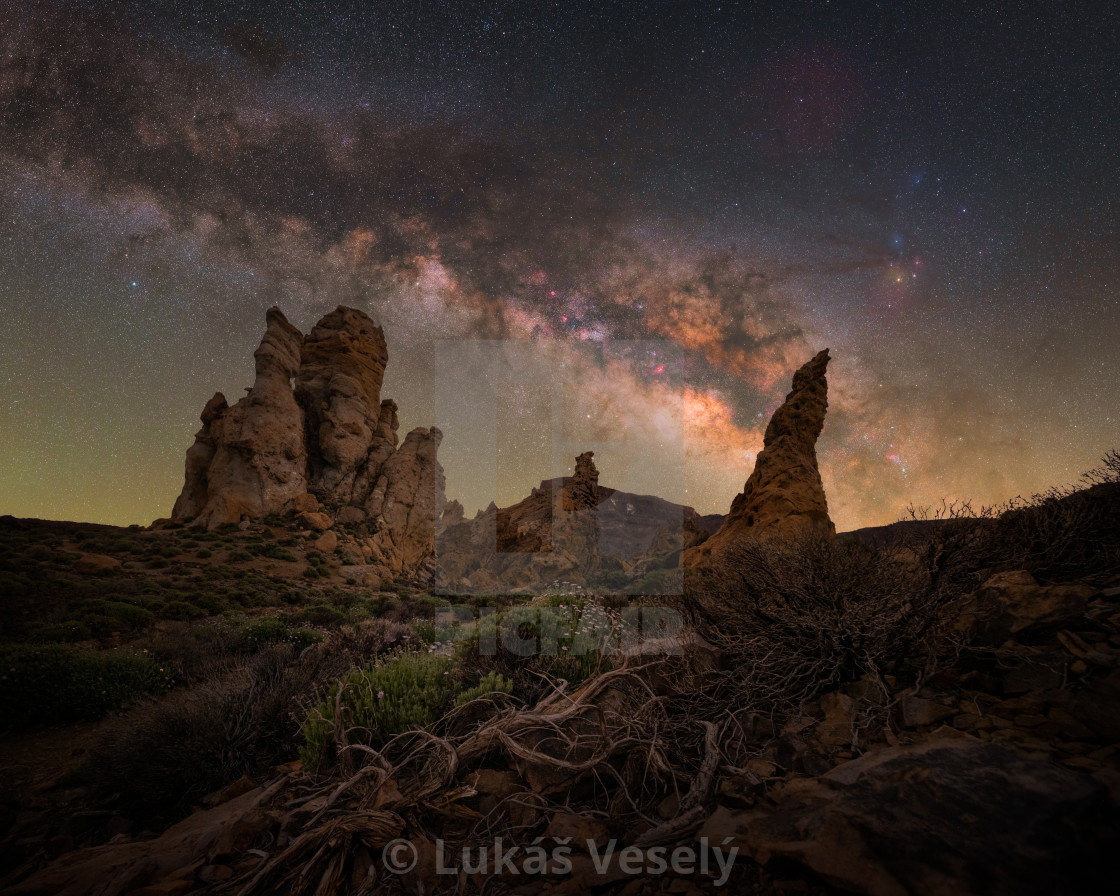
{"type": "Point", "coordinates": [339, 389]}
{"type": "Point", "coordinates": [554, 533]}
{"type": "Point", "coordinates": [250, 459]}
{"type": "Point", "coordinates": [330, 441]}
{"type": "Point", "coordinates": [571, 529]}
{"type": "Point", "coordinates": [784, 496]}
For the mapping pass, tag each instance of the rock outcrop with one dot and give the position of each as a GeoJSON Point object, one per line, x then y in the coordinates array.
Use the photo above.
{"type": "Point", "coordinates": [554, 533]}
{"type": "Point", "coordinates": [955, 815]}
{"type": "Point", "coordinates": [339, 389]}
{"type": "Point", "coordinates": [784, 496]}
{"type": "Point", "coordinates": [572, 529]}
{"type": "Point", "coordinates": [326, 448]}
{"type": "Point", "coordinates": [250, 459]}
{"type": "Point", "coordinates": [581, 490]}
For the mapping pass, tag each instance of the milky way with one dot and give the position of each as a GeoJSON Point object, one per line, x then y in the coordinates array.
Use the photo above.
{"type": "Point", "coordinates": [673, 205]}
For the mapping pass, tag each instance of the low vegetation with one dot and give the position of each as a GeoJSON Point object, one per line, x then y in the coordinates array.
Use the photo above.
{"type": "Point", "coordinates": [209, 672]}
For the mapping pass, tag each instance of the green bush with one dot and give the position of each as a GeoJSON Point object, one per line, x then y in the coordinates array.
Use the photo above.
{"type": "Point", "coordinates": [565, 640]}
{"type": "Point", "coordinates": [12, 584]}
{"type": "Point", "coordinates": [125, 615]}
{"type": "Point", "coordinates": [379, 702]}
{"type": "Point", "coordinates": [377, 604]}
{"type": "Point", "coordinates": [56, 683]}
{"type": "Point", "coordinates": [180, 609]}
{"type": "Point", "coordinates": [263, 631]}
{"type": "Point", "coordinates": [323, 614]}
{"type": "Point", "coordinates": [204, 554]}
{"type": "Point", "coordinates": [493, 683]}
{"type": "Point", "coordinates": [68, 631]}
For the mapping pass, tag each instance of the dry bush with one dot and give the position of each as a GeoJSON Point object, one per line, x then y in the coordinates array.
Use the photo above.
{"type": "Point", "coordinates": [795, 619]}
{"type": "Point", "coordinates": [609, 743]}
{"type": "Point", "coordinates": [1107, 473]}
{"type": "Point", "coordinates": [1060, 535]}
{"type": "Point", "coordinates": [165, 754]}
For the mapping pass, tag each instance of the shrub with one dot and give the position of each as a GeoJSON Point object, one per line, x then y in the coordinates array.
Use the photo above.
{"type": "Point", "coordinates": [379, 702]}
{"type": "Point", "coordinates": [55, 683]}
{"type": "Point", "coordinates": [123, 615]}
{"type": "Point", "coordinates": [180, 609]}
{"type": "Point", "coordinates": [796, 618]}
{"type": "Point", "coordinates": [204, 554]}
{"type": "Point", "coordinates": [323, 614]}
{"type": "Point", "coordinates": [264, 630]}
{"type": "Point", "coordinates": [571, 640]}
{"type": "Point", "coordinates": [13, 584]}
{"type": "Point", "coordinates": [164, 755]}
{"type": "Point", "coordinates": [491, 684]}
{"type": "Point", "coordinates": [67, 631]}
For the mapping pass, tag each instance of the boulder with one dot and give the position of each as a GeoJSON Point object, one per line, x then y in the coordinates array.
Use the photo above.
{"type": "Point", "coordinates": [839, 716]}
{"type": "Point", "coordinates": [96, 564]}
{"type": "Point", "coordinates": [1012, 602]}
{"type": "Point", "coordinates": [119, 868]}
{"type": "Point", "coordinates": [327, 542]}
{"type": "Point", "coordinates": [305, 503]}
{"type": "Point", "coordinates": [953, 816]}
{"type": "Point", "coordinates": [582, 832]}
{"type": "Point", "coordinates": [317, 521]}
{"type": "Point", "coordinates": [917, 711]}
{"type": "Point", "coordinates": [350, 516]}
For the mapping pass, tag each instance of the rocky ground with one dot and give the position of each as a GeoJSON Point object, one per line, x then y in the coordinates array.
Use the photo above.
{"type": "Point", "coordinates": [259, 697]}
{"type": "Point", "coordinates": [998, 773]}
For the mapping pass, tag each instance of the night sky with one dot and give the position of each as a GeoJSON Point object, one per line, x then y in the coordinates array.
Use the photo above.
{"type": "Point", "coordinates": [668, 207]}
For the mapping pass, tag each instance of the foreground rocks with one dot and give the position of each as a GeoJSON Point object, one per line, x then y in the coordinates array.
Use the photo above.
{"type": "Point", "coordinates": [953, 816]}
{"type": "Point", "coordinates": [328, 443]}
{"type": "Point", "coordinates": [784, 497]}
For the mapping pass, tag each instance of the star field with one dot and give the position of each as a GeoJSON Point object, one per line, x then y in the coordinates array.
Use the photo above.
{"type": "Point", "coordinates": [672, 205]}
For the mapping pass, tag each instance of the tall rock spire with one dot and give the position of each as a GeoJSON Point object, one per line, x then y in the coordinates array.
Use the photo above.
{"type": "Point", "coordinates": [249, 459]}
{"type": "Point", "coordinates": [784, 496]}
{"type": "Point", "coordinates": [330, 439]}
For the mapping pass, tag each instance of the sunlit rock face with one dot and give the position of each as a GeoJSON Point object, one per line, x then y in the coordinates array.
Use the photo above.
{"type": "Point", "coordinates": [339, 388]}
{"type": "Point", "coordinates": [250, 458]}
{"type": "Point", "coordinates": [784, 497]}
{"type": "Point", "coordinates": [314, 432]}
